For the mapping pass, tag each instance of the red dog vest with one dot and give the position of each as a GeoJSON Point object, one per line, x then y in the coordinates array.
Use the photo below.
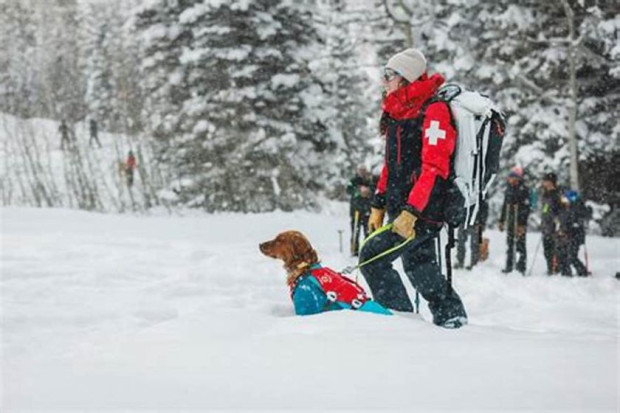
{"type": "Point", "coordinates": [337, 287]}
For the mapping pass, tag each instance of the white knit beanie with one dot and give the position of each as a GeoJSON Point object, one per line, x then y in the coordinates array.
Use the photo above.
{"type": "Point", "coordinates": [410, 64]}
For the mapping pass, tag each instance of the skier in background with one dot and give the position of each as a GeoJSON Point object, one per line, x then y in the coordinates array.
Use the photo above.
{"type": "Point", "coordinates": [93, 133]}
{"type": "Point", "coordinates": [515, 212]}
{"type": "Point", "coordinates": [360, 188]}
{"type": "Point", "coordinates": [572, 220]}
{"type": "Point", "coordinates": [474, 233]}
{"type": "Point", "coordinates": [550, 201]}
{"type": "Point", "coordinates": [130, 166]}
{"type": "Point", "coordinates": [65, 135]}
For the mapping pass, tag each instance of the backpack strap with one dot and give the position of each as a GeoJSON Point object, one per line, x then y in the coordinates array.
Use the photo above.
{"type": "Point", "coordinates": [449, 247]}
{"type": "Point", "coordinates": [439, 97]}
{"type": "Point", "coordinates": [434, 99]}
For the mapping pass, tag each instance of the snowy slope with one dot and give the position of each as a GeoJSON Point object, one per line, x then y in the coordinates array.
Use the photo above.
{"type": "Point", "coordinates": [118, 312]}
{"type": "Point", "coordinates": [34, 171]}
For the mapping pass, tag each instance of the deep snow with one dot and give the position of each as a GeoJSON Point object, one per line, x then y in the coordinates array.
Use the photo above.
{"type": "Point", "coordinates": [120, 312]}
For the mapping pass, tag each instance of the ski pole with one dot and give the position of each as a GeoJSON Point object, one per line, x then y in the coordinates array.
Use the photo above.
{"type": "Point", "coordinates": [585, 250]}
{"type": "Point", "coordinates": [448, 249]}
{"type": "Point", "coordinates": [417, 302]}
{"type": "Point", "coordinates": [515, 238]}
{"type": "Point", "coordinates": [535, 255]}
{"type": "Point", "coordinates": [355, 233]}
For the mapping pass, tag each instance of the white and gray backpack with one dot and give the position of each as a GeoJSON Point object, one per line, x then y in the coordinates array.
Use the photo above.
{"type": "Point", "coordinates": [480, 128]}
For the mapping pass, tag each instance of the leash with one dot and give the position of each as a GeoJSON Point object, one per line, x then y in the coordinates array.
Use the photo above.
{"type": "Point", "coordinates": [387, 227]}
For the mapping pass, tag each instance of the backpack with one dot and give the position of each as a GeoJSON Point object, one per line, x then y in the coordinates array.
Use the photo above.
{"type": "Point", "coordinates": [480, 128]}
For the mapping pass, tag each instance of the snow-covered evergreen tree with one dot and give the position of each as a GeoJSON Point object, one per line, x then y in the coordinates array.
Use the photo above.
{"type": "Point", "coordinates": [63, 78]}
{"type": "Point", "coordinates": [351, 96]}
{"type": "Point", "coordinates": [18, 73]}
{"type": "Point", "coordinates": [529, 49]}
{"type": "Point", "coordinates": [250, 141]}
{"type": "Point", "coordinates": [162, 40]}
{"type": "Point", "coordinates": [100, 83]}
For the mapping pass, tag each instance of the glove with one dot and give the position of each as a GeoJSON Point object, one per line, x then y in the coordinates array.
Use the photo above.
{"type": "Point", "coordinates": [521, 230]}
{"type": "Point", "coordinates": [501, 227]}
{"type": "Point", "coordinates": [375, 221]}
{"type": "Point", "coordinates": [404, 223]}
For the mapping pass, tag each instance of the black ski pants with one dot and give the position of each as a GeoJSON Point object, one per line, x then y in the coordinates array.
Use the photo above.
{"type": "Point", "coordinates": [549, 249]}
{"type": "Point", "coordinates": [516, 245]}
{"type": "Point", "coordinates": [420, 263]}
{"type": "Point", "coordinates": [473, 233]}
{"type": "Point", "coordinates": [568, 256]}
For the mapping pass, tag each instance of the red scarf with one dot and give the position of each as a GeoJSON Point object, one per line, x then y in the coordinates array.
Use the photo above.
{"type": "Point", "coordinates": [406, 102]}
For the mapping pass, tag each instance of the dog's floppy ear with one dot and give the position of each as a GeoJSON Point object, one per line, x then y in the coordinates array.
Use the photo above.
{"type": "Point", "coordinates": [303, 250]}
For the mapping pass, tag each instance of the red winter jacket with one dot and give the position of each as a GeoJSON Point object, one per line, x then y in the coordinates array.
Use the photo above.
{"type": "Point", "coordinates": [131, 162]}
{"type": "Point", "coordinates": [419, 142]}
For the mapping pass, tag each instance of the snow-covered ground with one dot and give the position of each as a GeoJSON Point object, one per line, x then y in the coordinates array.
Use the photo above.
{"type": "Point", "coordinates": [127, 313]}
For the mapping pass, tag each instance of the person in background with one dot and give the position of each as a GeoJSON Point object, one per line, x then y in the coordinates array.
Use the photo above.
{"type": "Point", "coordinates": [474, 233]}
{"type": "Point", "coordinates": [550, 201]}
{"type": "Point", "coordinates": [515, 212]}
{"type": "Point", "coordinates": [572, 220]}
{"type": "Point", "coordinates": [93, 133]}
{"type": "Point", "coordinates": [65, 135]}
{"type": "Point", "coordinates": [360, 188]}
{"type": "Point", "coordinates": [130, 166]}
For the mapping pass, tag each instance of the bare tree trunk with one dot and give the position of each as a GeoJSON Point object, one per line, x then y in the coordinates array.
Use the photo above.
{"type": "Point", "coordinates": [148, 194]}
{"type": "Point", "coordinates": [97, 176]}
{"type": "Point", "coordinates": [403, 23]}
{"type": "Point", "coordinates": [572, 114]}
{"type": "Point", "coordinates": [31, 145]}
{"type": "Point", "coordinates": [56, 194]}
{"type": "Point", "coordinates": [27, 147]}
{"type": "Point", "coordinates": [11, 171]}
{"type": "Point", "coordinates": [85, 188]}
{"type": "Point", "coordinates": [156, 174]}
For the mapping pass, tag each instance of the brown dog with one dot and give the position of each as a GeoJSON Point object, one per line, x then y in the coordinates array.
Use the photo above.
{"type": "Point", "coordinates": [294, 249]}
{"type": "Point", "coordinates": [314, 288]}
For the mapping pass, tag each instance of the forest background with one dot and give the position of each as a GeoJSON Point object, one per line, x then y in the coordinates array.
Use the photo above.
{"type": "Point", "coordinates": [252, 106]}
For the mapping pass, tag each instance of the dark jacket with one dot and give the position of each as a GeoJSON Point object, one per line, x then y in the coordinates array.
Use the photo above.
{"type": "Point", "coordinates": [419, 142]}
{"type": "Point", "coordinates": [516, 198]}
{"type": "Point", "coordinates": [359, 202]}
{"type": "Point", "coordinates": [572, 219]}
{"type": "Point", "coordinates": [483, 213]}
{"type": "Point", "coordinates": [550, 202]}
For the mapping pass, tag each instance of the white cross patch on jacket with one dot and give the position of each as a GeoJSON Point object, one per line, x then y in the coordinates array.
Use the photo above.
{"type": "Point", "coordinates": [433, 133]}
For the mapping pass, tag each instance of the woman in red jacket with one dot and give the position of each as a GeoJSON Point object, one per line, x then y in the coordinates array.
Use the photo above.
{"type": "Point", "coordinates": [420, 140]}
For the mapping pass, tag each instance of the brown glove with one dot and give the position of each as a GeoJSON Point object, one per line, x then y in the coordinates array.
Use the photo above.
{"type": "Point", "coordinates": [375, 221]}
{"type": "Point", "coordinates": [520, 230]}
{"type": "Point", "coordinates": [404, 223]}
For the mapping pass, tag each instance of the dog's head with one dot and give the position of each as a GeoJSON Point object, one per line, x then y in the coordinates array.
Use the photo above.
{"type": "Point", "coordinates": [293, 248]}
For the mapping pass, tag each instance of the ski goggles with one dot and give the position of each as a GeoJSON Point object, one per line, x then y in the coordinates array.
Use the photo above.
{"type": "Point", "coordinates": [390, 74]}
